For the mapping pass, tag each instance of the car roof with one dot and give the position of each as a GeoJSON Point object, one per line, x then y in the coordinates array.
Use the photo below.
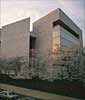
{"type": "Point", "coordinates": [6, 92]}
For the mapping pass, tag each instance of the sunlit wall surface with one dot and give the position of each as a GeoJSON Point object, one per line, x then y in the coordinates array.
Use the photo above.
{"type": "Point", "coordinates": [56, 39]}
{"type": "Point", "coordinates": [15, 39]}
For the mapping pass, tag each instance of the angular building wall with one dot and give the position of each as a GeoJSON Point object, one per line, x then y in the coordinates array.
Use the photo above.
{"type": "Point", "coordinates": [56, 31]}
{"type": "Point", "coordinates": [43, 28]}
{"type": "Point", "coordinates": [15, 39]}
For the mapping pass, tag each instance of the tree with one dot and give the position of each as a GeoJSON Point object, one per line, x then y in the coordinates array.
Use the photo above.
{"type": "Point", "coordinates": [4, 66]}
{"type": "Point", "coordinates": [65, 64]}
{"type": "Point", "coordinates": [69, 63]}
{"type": "Point", "coordinates": [15, 64]}
{"type": "Point", "coordinates": [38, 67]}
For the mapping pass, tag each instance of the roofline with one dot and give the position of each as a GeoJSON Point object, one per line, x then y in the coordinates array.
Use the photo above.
{"type": "Point", "coordinates": [59, 9]}
{"type": "Point", "coordinates": [46, 15]}
{"type": "Point", "coordinates": [70, 19]}
{"type": "Point", "coordinates": [15, 22]}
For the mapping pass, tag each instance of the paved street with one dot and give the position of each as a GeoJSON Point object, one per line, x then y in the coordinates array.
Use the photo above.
{"type": "Point", "coordinates": [34, 93]}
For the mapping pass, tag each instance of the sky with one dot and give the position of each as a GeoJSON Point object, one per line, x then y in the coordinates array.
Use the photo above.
{"type": "Point", "coordinates": [14, 10]}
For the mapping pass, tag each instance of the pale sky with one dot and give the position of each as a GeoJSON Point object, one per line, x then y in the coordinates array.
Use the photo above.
{"type": "Point", "coordinates": [14, 10]}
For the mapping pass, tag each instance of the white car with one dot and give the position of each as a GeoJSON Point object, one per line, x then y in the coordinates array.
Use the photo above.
{"type": "Point", "coordinates": [8, 95]}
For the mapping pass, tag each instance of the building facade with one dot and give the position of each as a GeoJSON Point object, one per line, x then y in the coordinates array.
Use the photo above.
{"type": "Point", "coordinates": [56, 31]}
{"type": "Point", "coordinates": [51, 33]}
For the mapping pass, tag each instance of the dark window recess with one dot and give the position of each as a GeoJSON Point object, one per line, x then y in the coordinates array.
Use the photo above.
{"type": "Point", "coordinates": [32, 46]}
{"type": "Point", "coordinates": [32, 42]}
{"type": "Point", "coordinates": [62, 24]}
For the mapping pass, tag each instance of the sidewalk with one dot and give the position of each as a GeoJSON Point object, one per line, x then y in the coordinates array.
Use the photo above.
{"type": "Point", "coordinates": [34, 93]}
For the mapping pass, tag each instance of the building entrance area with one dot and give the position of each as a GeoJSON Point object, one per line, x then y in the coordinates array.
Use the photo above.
{"type": "Point", "coordinates": [32, 46]}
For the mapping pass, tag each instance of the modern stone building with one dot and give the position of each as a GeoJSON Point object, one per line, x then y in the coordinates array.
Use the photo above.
{"type": "Point", "coordinates": [56, 31]}
{"type": "Point", "coordinates": [50, 33]}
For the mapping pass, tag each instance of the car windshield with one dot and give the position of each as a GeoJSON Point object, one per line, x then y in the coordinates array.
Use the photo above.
{"type": "Point", "coordinates": [5, 93]}
{"type": "Point", "coordinates": [11, 93]}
